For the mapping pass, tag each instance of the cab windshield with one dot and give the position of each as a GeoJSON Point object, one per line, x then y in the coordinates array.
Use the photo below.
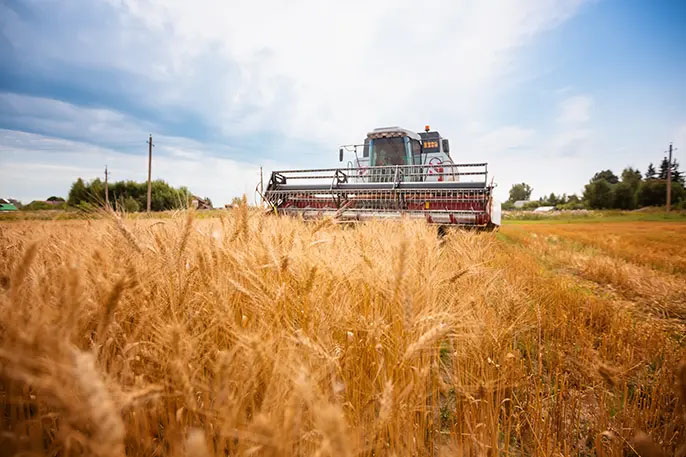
{"type": "Point", "coordinates": [389, 151]}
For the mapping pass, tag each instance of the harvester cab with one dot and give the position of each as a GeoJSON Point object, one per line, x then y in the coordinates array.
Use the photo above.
{"type": "Point", "coordinates": [400, 173]}
{"type": "Point", "coordinates": [388, 146]}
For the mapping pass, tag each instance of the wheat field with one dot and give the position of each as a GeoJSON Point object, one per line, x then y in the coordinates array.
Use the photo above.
{"type": "Point", "coordinates": [252, 335]}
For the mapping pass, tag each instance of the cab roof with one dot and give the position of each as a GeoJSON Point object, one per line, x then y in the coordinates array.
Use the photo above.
{"type": "Point", "coordinates": [392, 132]}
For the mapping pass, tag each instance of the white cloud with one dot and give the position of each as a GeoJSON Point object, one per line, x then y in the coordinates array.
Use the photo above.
{"type": "Point", "coordinates": [99, 125]}
{"type": "Point", "coordinates": [558, 159]}
{"type": "Point", "coordinates": [503, 139]}
{"type": "Point", "coordinates": [34, 167]}
{"type": "Point", "coordinates": [569, 141]}
{"type": "Point", "coordinates": [328, 71]}
{"type": "Point", "coordinates": [572, 132]}
{"type": "Point", "coordinates": [320, 71]}
{"type": "Point", "coordinates": [575, 110]}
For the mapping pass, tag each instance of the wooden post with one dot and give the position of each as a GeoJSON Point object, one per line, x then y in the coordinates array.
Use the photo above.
{"type": "Point", "coordinates": [149, 170]}
{"type": "Point", "coordinates": [669, 179]}
{"type": "Point", "coordinates": [107, 192]}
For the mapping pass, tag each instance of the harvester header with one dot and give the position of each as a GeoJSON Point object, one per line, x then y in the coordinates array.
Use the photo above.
{"type": "Point", "coordinates": [401, 173]}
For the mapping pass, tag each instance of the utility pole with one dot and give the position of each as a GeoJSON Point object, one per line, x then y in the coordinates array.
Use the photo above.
{"type": "Point", "coordinates": [669, 179]}
{"type": "Point", "coordinates": [150, 145]}
{"type": "Point", "coordinates": [107, 192]}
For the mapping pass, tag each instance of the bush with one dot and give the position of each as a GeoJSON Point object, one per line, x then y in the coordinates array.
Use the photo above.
{"type": "Point", "coordinates": [570, 206]}
{"type": "Point", "coordinates": [85, 206]}
{"type": "Point", "coordinates": [130, 205]}
{"type": "Point", "coordinates": [531, 205]}
{"type": "Point", "coordinates": [507, 206]}
{"type": "Point", "coordinates": [38, 205]}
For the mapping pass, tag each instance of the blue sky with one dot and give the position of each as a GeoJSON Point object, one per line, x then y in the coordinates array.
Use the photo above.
{"type": "Point", "coordinates": [546, 92]}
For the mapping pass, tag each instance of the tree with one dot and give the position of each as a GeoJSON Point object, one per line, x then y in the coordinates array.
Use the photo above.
{"type": "Point", "coordinates": [551, 200]}
{"type": "Point", "coordinates": [624, 193]}
{"type": "Point", "coordinates": [520, 192]}
{"type": "Point", "coordinates": [624, 196]}
{"type": "Point", "coordinates": [164, 197]}
{"type": "Point", "coordinates": [606, 175]}
{"type": "Point", "coordinates": [55, 199]}
{"type": "Point", "coordinates": [632, 177]}
{"type": "Point", "coordinates": [97, 191]}
{"type": "Point", "coordinates": [572, 202]}
{"type": "Point", "coordinates": [677, 176]}
{"type": "Point", "coordinates": [651, 173]}
{"type": "Point", "coordinates": [653, 192]}
{"type": "Point", "coordinates": [598, 194]}
{"type": "Point", "coordinates": [77, 193]}
{"type": "Point", "coordinates": [663, 168]}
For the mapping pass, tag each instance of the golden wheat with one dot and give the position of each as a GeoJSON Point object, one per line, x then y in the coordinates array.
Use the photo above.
{"type": "Point", "coordinates": [253, 335]}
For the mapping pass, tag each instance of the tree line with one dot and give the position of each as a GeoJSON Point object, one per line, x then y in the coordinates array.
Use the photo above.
{"type": "Point", "coordinates": [605, 190]}
{"type": "Point", "coordinates": [129, 196]}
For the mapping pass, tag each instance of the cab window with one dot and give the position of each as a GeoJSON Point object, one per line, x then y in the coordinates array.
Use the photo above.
{"type": "Point", "coordinates": [416, 152]}
{"type": "Point", "coordinates": [389, 151]}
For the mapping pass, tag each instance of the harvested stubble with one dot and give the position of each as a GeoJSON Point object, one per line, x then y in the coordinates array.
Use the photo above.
{"type": "Point", "coordinates": [252, 335]}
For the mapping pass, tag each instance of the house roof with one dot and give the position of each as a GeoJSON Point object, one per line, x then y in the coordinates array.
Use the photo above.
{"type": "Point", "coordinates": [390, 132]}
{"type": "Point", "coordinates": [7, 207]}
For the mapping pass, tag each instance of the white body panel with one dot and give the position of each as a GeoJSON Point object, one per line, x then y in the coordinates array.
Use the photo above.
{"type": "Point", "coordinates": [437, 172]}
{"type": "Point", "coordinates": [496, 212]}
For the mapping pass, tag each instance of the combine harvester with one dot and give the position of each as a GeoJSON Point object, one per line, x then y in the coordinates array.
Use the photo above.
{"type": "Point", "coordinates": [400, 174]}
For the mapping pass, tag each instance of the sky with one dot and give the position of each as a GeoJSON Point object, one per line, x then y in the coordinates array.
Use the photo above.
{"type": "Point", "coordinates": [547, 92]}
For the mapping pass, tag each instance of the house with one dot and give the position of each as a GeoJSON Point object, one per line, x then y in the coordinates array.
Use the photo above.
{"type": "Point", "coordinates": [6, 205]}
{"type": "Point", "coordinates": [200, 203]}
{"type": "Point", "coordinates": [544, 209]}
{"type": "Point", "coordinates": [519, 204]}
